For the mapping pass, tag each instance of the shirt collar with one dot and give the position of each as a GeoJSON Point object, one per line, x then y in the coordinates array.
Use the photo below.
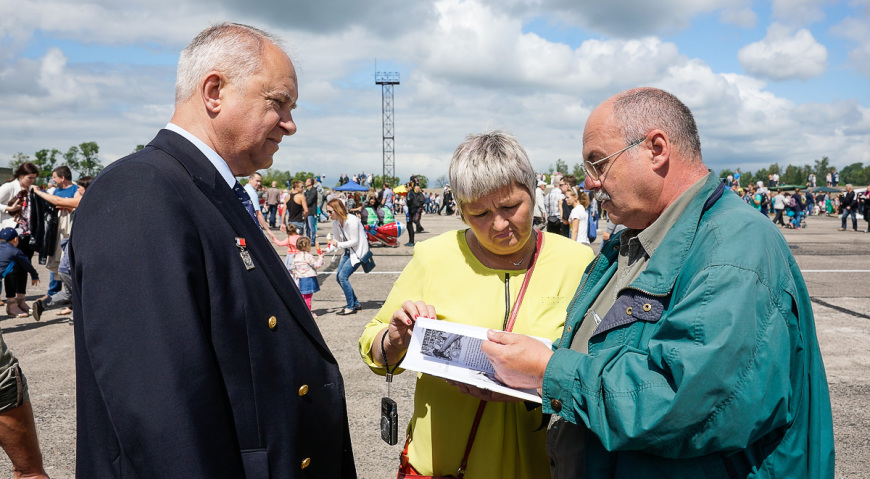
{"type": "Point", "coordinates": [649, 238]}
{"type": "Point", "coordinates": [219, 163]}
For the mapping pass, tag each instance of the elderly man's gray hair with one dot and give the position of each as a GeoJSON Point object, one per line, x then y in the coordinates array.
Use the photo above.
{"type": "Point", "coordinates": [231, 48]}
{"type": "Point", "coordinates": [637, 112]}
{"type": "Point", "coordinates": [487, 162]}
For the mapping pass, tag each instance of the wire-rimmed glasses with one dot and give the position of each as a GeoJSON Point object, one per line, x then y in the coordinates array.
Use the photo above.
{"type": "Point", "coordinates": [589, 168]}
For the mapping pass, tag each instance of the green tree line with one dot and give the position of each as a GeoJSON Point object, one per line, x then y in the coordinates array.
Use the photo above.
{"type": "Point", "coordinates": [82, 159]}
{"type": "Point", "coordinates": [856, 174]}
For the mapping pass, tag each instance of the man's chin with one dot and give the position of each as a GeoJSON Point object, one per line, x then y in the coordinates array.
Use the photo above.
{"type": "Point", "coordinates": [264, 162]}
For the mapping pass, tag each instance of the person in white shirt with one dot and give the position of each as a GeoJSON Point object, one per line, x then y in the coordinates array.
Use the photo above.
{"type": "Point", "coordinates": [251, 188]}
{"type": "Point", "coordinates": [347, 233]}
{"type": "Point", "coordinates": [779, 207]}
{"type": "Point", "coordinates": [579, 218]}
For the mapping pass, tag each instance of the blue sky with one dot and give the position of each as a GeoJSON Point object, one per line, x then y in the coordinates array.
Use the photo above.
{"type": "Point", "coordinates": [780, 81]}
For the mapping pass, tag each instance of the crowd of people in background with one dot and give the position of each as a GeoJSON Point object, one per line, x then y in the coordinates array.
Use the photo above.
{"type": "Point", "coordinates": [563, 207]}
{"type": "Point", "coordinates": [35, 220]}
{"type": "Point", "coordinates": [361, 179]}
{"type": "Point", "coordinates": [302, 203]}
{"type": "Point", "coordinates": [791, 208]}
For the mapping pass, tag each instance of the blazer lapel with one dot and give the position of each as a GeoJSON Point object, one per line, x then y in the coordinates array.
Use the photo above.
{"type": "Point", "coordinates": [213, 186]}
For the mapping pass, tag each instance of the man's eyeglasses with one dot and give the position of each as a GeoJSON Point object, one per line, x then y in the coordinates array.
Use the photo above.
{"type": "Point", "coordinates": [589, 168]}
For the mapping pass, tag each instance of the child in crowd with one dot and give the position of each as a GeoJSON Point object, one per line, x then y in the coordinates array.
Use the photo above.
{"type": "Point", "coordinates": [290, 243]}
{"type": "Point", "coordinates": [304, 268]}
{"type": "Point", "coordinates": [15, 266]}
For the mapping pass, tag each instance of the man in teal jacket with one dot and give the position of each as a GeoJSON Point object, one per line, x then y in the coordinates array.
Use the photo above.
{"type": "Point", "coordinates": [690, 347]}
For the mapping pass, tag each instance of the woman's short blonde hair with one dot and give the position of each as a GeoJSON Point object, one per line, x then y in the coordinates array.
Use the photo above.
{"type": "Point", "coordinates": [487, 162]}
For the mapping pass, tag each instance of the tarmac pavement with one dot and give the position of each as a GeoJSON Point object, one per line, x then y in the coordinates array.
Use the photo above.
{"type": "Point", "coordinates": [835, 265]}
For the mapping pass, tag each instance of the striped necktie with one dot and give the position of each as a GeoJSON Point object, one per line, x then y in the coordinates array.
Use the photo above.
{"type": "Point", "coordinates": [246, 200]}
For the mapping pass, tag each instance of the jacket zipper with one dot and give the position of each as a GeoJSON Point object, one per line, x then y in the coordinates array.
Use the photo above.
{"type": "Point", "coordinates": [507, 300]}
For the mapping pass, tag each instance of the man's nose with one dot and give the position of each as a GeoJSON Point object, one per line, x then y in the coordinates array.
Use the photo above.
{"type": "Point", "coordinates": [287, 124]}
{"type": "Point", "coordinates": [590, 184]}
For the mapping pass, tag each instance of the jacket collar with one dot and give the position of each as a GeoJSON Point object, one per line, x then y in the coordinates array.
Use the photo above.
{"type": "Point", "coordinates": [666, 263]}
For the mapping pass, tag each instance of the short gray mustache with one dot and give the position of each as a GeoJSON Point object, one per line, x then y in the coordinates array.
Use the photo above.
{"type": "Point", "coordinates": [601, 195]}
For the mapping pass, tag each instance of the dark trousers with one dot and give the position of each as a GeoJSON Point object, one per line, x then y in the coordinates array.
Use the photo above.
{"type": "Point", "coordinates": [15, 281]}
{"type": "Point", "coordinates": [777, 219]}
{"type": "Point", "coordinates": [20, 273]}
{"type": "Point", "coordinates": [850, 212]}
{"type": "Point", "coordinates": [273, 212]}
{"type": "Point", "coordinates": [415, 217]}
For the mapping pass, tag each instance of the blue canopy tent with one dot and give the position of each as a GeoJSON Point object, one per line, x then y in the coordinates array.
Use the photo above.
{"type": "Point", "coordinates": [351, 186]}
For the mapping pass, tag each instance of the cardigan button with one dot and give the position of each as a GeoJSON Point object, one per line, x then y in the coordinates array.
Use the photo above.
{"type": "Point", "coordinates": [306, 462]}
{"type": "Point", "coordinates": [273, 322]}
{"type": "Point", "coordinates": [303, 390]}
{"type": "Point", "coordinates": [556, 405]}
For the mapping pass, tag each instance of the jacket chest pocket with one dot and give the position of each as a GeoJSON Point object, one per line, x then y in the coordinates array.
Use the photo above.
{"type": "Point", "coordinates": [632, 306]}
{"type": "Point", "coordinates": [256, 463]}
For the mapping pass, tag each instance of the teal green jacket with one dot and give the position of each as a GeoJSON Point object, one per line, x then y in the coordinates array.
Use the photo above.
{"type": "Point", "coordinates": [708, 363]}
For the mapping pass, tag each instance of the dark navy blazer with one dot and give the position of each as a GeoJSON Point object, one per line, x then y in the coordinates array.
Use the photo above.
{"type": "Point", "coordinates": [188, 364]}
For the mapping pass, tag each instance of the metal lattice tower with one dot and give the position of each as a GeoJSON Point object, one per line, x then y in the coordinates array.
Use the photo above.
{"type": "Point", "coordinates": [387, 80]}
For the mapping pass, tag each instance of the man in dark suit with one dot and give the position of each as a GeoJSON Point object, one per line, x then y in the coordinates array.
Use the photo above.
{"type": "Point", "coordinates": [195, 354]}
{"type": "Point", "coordinates": [850, 207]}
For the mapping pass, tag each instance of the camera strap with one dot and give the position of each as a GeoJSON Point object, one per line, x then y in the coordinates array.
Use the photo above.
{"type": "Point", "coordinates": [389, 375]}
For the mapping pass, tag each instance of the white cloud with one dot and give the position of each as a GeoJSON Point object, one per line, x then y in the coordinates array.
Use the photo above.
{"type": "Point", "coordinates": [478, 47]}
{"type": "Point", "coordinates": [743, 17]}
{"type": "Point", "coordinates": [621, 18]}
{"type": "Point", "coordinates": [799, 12]}
{"type": "Point", "coordinates": [857, 30]}
{"type": "Point", "coordinates": [466, 67]}
{"type": "Point", "coordinates": [783, 55]}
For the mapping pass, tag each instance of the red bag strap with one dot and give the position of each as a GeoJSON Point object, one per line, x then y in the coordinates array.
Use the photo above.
{"type": "Point", "coordinates": [513, 317]}
{"type": "Point", "coordinates": [516, 309]}
{"type": "Point", "coordinates": [460, 473]}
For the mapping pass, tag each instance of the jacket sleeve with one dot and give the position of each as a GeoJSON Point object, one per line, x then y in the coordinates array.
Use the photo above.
{"type": "Point", "coordinates": [409, 286]}
{"type": "Point", "coordinates": [144, 357]}
{"type": "Point", "coordinates": [25, 263]}
{"type": "Point", "coordinates": [350, 233]}
{"type": "Point", "coordinates": [698, 388]}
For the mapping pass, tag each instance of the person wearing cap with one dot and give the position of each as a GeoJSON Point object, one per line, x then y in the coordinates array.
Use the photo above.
{"type": "Point", "coordinates": [13, 264]}
{"type": "Point", "coordinates": [539, 221]}
{"type": "Point", "coordinates": [446, 200]}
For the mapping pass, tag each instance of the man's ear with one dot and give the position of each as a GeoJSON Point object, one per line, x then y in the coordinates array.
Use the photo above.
{"type": "Point", "coordinates": [660, 147]}
{"type": "Point", "coordinates": [212, 85]}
